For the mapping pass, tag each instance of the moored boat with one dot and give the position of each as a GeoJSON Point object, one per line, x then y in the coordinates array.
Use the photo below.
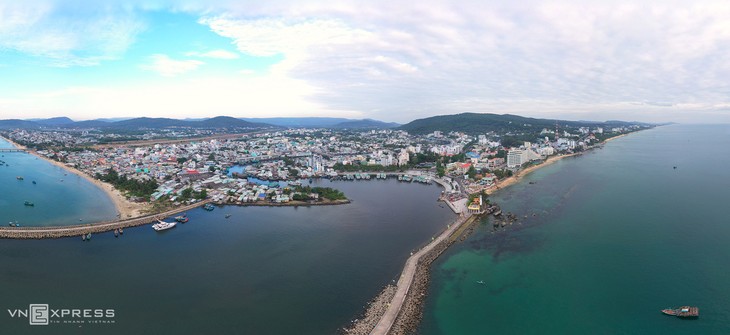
{"type": "Point", "coordinates": [182, 218]}
{"type": "Point", "coordinates": [162, 225]}
{"type": "Point", "coordinates": [28, 203]}
{"type": "Point", "coordinates": [683, 312]}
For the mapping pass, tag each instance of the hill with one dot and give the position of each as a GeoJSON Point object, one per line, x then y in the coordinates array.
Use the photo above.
{"type": "Point", "coordinates": [478, 123]}
{"type": "Point", "coordinates": [365, 124]}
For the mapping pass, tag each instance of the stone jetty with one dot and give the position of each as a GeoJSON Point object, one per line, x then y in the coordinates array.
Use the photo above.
{"type": "Point", "coordinates": [81, 229]}
{"type": "Point", "coordinates": [405, 309]}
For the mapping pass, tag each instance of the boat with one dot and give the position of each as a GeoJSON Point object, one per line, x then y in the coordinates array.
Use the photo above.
{"type": "Point", "coordinates": [683, 312]}
{"type": "Point", "coordinates": [121, 231]}
{"type": "Point", "coordinates": [228, 215]}
{"type": "Point", "coordinates": [208, 207]}
{"type": "Point", "coordinates": [28, 203]}
{"type": "Point", "coordinates": [481, 282]}
{"type": "Point", "coordinates": [116, 232]}
{"type": "Point", "coordinates": [162, 225]}
{"type": "Point", "coordinates": [19, 177]}
{"type": "Point", "coordinates": [88, 237]}
{"type": "Point", "coordinates": [83, 237]}
{"type": "Point", "coordinates": [34, 182]}
{"type": "Point", "coordinates": [181, 219]}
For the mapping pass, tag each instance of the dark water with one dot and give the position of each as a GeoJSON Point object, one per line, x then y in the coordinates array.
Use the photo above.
{"type": "Point", "coordinates": [619, 235]}
{"type": "Point", "coordinates": [59, 199]}
{"type": "Point", "coordinates": [264, 270]}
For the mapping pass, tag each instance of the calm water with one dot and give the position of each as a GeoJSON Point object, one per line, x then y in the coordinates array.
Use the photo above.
{"type": "Point", "coordinates": [264, 270]}
{"type": "Point", "coordinates": [619, 235]}
{"type": "Point", "coordinates": [59, 199]}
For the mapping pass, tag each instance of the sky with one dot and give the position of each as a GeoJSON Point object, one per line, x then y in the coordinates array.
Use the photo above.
{"type": "Point", "coordinates": [396, 61]}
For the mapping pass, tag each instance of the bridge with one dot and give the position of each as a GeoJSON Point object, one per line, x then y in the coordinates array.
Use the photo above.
{"type": "Point", "coordinates": [13, 150]}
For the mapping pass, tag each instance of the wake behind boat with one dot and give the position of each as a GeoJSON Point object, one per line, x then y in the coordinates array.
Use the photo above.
{"type": "Point", "coordinates": [162, 225]}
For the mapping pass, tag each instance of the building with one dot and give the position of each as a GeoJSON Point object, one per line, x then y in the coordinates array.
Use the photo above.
{"type": "Point", "coordinates": [514, 158]}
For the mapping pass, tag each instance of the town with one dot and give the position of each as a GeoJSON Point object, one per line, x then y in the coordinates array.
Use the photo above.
{"type": "Point", "coordinates": [254, 167]}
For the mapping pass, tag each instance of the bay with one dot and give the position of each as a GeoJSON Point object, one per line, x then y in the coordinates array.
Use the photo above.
{"type": "Point", "coordinates": [59, 198]}
{"type": "Point", "coordinates": [618, 234]}
{"type": "Point", "coordinates": [263, 270]}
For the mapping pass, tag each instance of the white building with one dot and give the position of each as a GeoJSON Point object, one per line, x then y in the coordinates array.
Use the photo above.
{"type": "Point", "coordinates": [514, 158]}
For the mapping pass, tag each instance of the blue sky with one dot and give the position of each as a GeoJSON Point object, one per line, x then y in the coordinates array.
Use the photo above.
{"type": "Point", "coordinates": [388, 60]}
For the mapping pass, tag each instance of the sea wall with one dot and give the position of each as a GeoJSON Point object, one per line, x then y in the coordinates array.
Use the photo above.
{"type": "Point", "coordinates": [78, 230]}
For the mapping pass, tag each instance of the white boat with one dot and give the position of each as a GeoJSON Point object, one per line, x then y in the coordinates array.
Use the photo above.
{"type": "Point", "coordinates": [162, 225]}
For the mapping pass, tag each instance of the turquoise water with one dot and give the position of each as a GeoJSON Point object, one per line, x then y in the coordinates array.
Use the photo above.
{"type": "Point", "coordinates": [60, 198]}
{"type": "Point", "coordinates": [264, 270]}
{"type": "Point", "coordinates": [619, 234]}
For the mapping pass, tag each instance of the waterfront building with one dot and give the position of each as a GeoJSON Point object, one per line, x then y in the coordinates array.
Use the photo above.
{"type": "Point", "coordinates": [514, 158]}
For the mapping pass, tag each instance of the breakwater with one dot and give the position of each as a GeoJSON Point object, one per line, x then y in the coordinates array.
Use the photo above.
{"type": "Point", "coordinates": [404, 310]}
{"type": "Point", "coordinates": [81, 229]}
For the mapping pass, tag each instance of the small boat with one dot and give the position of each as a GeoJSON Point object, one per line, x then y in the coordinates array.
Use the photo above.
{"type": "Point", "coordinates": [683, 312]}
{"type": "Point", "coordinates": [19, 177]}
{"type": "Point", "coordinates": [121, 231]}
{"type": "Point", "coordinates": [481, 282]}
{"type": "Point", "coordinates": [88, 237]}
{"type": "Point", "coordinates": [181, 219]}
{"type": "Point", "coordinates": [208, 207]}
{"type": "Point", "coordinates": [228, 215]}
{"type": "Point", "coordinates": [162, 225]}
{"type": "Point", "coordinates": [83, 237]}
{"type": "Point", "coordinates": [675, 167]}
{"type": "Point", "coordinates": [116, 232]}
{"type": "Point", "coordinates": [34, 182]}
{"type": "Point", "coordinates": [28, 203]}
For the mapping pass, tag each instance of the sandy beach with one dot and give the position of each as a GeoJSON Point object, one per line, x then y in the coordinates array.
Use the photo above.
{"type": "Point", "coordinates": [125, 208]}
{"type": "Point", "coordinates": [518, 176]}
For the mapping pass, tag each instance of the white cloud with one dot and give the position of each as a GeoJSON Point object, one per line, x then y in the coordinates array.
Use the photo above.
{"type": "Point", "coordinates": [217, 54]}
{"type": "Point", "coordinates": [169, 67]}
{"type": "Point", "coordinates": [61, 37]}
{"type": "Point", "coordinates": [235, 95]}
{"type": "Point", "coordinates": [435, 57]}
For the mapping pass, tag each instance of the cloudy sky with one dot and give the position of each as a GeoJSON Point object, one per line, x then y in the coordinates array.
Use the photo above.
{"type": "Point", "coordinates": [387, 60]}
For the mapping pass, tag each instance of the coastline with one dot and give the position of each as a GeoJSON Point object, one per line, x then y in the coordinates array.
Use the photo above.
{"type": "Point", "coordinates": [409, 315]}
{"type": "Point", "coordinates": [125, 208]}
{"type": "Point", "coordinates": [522, 173]}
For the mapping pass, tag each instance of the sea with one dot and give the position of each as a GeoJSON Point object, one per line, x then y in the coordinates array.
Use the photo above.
{"type": "Point", "coordinates": [58, 197]}
{"type": "Point", "coordinates": [604, 242]}
{"type": "Point", "coordinates": [233, 270]}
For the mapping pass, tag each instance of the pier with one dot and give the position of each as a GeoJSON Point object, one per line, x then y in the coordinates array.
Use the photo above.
{"type": "Point", "coordinates": [13, 150]}
{"type": "Point", "coordinates": [419, 259]}
{"type": "Point", "coordinates": [100, 227]}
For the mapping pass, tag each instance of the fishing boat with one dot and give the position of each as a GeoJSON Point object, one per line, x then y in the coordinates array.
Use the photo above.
{"type": "Point", "coordinates": [88, 237]}
{"type": "Point", "coordinates": [181, 218]}
{"type": "Point", "coordinates": [28, 203]}
{"type": "Point", "coordinates": [121, 231]}
{"type": "Point", "coordinates": [208, 207]}
{"type": "Point", "coordinates": [116, 232]}
{"type": "Point", "coordinates": [683, 312]}
{"type": "Point", "coordinates": [162, 225]}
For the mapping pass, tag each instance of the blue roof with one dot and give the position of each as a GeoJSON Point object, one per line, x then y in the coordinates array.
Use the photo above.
{"type": "Point", "coordinates": [472, 154]}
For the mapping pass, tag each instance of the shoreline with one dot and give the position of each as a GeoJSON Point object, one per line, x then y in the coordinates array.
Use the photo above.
{"type": "Point", "coordinates": [409, 316]}
{"type": "Point", "coordinates": [125, 209]}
